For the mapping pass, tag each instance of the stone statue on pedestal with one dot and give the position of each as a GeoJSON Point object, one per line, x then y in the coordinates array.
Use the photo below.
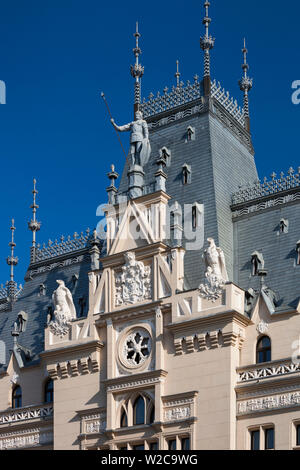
{"type": "Point", "coordinates": [140, 148]}
{"type": "Point", "coordinates": [216, 274]}
{"type": "Point", "coordinates": [64, 310]}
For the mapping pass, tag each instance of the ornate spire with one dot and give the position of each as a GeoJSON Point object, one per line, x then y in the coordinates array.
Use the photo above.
{"type": "Point", "coordinates": [246, 84]}
{"type": "Point", "coordinates": [137, 70]}
{"type": "Point", "coordinates": [34, 225]}
{"type": "Point", "coordinates": [12, 261]}
{"type": "Point", "coordinates": [207, 43]}
{"type": "Point", "coordinates": [177, 74]}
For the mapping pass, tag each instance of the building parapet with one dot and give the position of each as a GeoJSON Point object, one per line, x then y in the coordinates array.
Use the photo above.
{"type": "Point", "coordinates": [267, 187]}
{"type": "Point", "coordinates": [184, 94]}
{"type": "Point", "coordinates": [65, 246]}
{"type": "Point", "coordinates": [272, 370]}
{"type": "Point", "coordinates": [25, 414]}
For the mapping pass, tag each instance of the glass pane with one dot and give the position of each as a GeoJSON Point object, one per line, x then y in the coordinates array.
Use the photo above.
{"type": "Point", "coordinates": [153, 446]}
{"type": "Point", "coordinates": [255, 436]}
{"type": "Point", "coordinates": [172, 444]}
{"type": "Point", "coordinates": [298, 435]}
{"type": "Point", "coordinates": [139, 447]}
{"type": "Point", "coordinates": [185, 443]}
{"type": "Point", "coordinates": [124, 423]}
{"type": "Point", "coordinates": [17, 397]}
{"type": "Point", "coordinates": [269, 436]}
{"type": "Point", "coordinates": [139, 411]}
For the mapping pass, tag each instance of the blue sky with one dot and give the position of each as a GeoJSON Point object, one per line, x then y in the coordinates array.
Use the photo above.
{"type": "Point", "coordinates": [57, 56]}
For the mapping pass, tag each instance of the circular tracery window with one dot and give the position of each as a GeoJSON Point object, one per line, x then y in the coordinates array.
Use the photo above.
{"type": "Point", "coordinates": [137, 347]}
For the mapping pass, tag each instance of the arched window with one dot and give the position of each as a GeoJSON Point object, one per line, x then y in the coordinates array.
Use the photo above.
{"type": "Point", "coordinates": [263, 350]}
{"type": "Point", "coordinates": [49, 391]}
{"type": "Point", "coordinates": [17, 397]}
{"type": "Point", "coordinates": [139, 411]}
{"type": "Point", "coordinates": [124, 421]}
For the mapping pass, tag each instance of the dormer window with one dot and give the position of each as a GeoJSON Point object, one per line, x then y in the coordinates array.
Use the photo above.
{"type": "Point", "coordinates": [186, 174]}
{"type": "Point", "coordinates": [257, 262]}
{"type": "Point", "coordinates": [284, 226]}
{"type": "Point", "coordinates": [194, 217]}
{"type": "Point", "coordinates": [190, 134]}
{"type": "Point", "coordinates": [42, 290]}
{"type": "Point", "coordinates": [165, 153]}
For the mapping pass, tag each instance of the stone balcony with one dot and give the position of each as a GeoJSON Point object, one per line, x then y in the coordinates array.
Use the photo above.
{"type": "Point", "coordinates": [26, 427]}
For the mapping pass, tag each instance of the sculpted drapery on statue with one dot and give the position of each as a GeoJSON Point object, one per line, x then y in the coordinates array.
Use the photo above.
{"type": "Point", "coordinates": [140, 148]}
{"type": "Point", "coordinates": [215, 261]}
{"type": "Point", "coordinates": [216, 273]}
{"type": "Point", "coordinates": [64, 309]}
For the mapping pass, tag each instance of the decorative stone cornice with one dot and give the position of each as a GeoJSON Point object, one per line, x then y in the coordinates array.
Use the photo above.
{"type": "Point", "coordinates": [26, 438]}
{"type": "Point", "coordinates": [26, 414]}
{"type": "Point", "coordinates": [88, 361]}
{"type": "Point", "coordinates": [268, 403]}
{"type": "Point", "coordinates": [137, 381]}
{"type": "Point", "coordinates": [273, 370]}
{"type": "Point", "coordinates": [50, 267]}
{"type": "Point", "coordinates": [265, 203]}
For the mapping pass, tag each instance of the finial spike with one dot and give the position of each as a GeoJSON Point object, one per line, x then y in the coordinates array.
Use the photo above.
{"type": "Point", "coordinates": [246, 84]}
{"type": "Point", "coordinates": [137, 70]}
{"type": "Point", "coordinates": [34, 225]}
{"type": "Point", "coordinates": [12, 260]}
{"type": "Point", "coordinates": [177, 74]}
{"type": "Point", "coordinates": [207, 43]}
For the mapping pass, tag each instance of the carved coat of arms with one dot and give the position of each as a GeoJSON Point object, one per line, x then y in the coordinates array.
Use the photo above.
{"type": "Point", "coordinates": [133, 284]}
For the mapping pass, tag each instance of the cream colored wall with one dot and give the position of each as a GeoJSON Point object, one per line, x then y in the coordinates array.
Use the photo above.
{"type": "Point", "coordinates": [283, 331]}
{"type": "Point", "coordinates": [72, 395]}
{"type": "Point", "coordinates": [212, 373]}
{"type": "Point", "coordinates": [285, 434]}
{"type": "Point", "coordinates": [31, 380]}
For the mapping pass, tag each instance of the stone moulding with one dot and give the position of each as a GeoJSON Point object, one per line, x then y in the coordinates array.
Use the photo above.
{"type": "Point", "coordinates": [49, 267]}
{"type": "Point", "coordinates": [26, 414]}
{"type": "Point", "coordinates": [269, 403]}
{"type": "Point", "coordinates": [268, 204]}
{"type": "Point", "coordinates": [179, 407]}
{"type": "Point", "coordinates": [265, 372]}
{"type": "Point", "coordinates": [26, 438]}
{"type": "Point", "coordinates": [141, 380]}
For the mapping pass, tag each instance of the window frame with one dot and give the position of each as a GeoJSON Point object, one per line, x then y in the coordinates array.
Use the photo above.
{"type": "Point", "coordinates": [264, 350]}
{"type": "Point", "coordinates": [16, 397]}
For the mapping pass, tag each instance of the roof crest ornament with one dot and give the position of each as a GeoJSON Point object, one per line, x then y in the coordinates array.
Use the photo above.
{"type": "Point", "coordinates": [137, 70]}
{"type": "Point", "coordinates": [12, 261]}
{"type": "Point", "coordinates": [34, 225]}
{"type": "Point", "coordinates": [246, 84]}
{"type": "Point", "coordinates": [207, 43]}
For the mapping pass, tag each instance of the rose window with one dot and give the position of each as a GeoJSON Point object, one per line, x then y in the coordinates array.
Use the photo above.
{"type": "Point", "coordinates": [137, 348]}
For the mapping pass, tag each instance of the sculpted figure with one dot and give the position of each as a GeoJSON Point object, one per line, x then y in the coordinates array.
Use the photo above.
{"type": "Point", "coordinates": [64, 309]}
{"type": "Point", "coordinates": [140, 148]}
{"type": "Point", "coordinates": [215, 261]}
{"type": "Point", "coordinates": [216, 274]}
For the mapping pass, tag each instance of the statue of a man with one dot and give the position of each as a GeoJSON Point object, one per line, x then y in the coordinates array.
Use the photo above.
{"type": "Point", "coordinates": [64, 309]}
{"type": "Point", "coordinates": [215, 261]}
{"type": "Point", "coordinates": [140, 148]}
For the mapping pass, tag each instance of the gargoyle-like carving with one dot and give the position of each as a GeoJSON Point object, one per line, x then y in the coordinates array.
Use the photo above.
{"type": "Point", "coordinates": [216, 274]}
{"type": "Point", "coordinates": [133, 284]}
{"type": "Point", "coordinates": [64, 310]}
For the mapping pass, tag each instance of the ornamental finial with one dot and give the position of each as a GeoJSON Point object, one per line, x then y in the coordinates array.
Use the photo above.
{"type": "Point", "coordinates": [207, 43]}
{"type": "Point", "coordinates": [246, 84]}
{"type": "Point", "coordinates": [34, 225]}
{"type": "Point", "coordinates": [12, 260]}
{"type": "Point", "coordinates": [137, 70]}
{"type": "Point", "coordinates": [177, 74]}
